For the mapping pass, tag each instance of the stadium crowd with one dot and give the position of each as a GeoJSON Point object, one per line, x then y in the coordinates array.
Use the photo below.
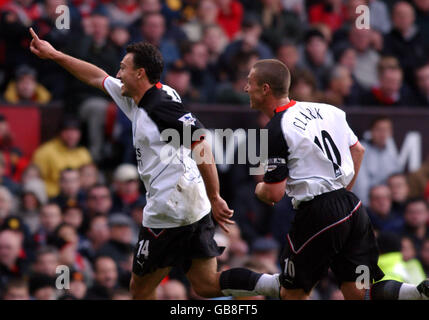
{"type": "Point", "coordinates": [78, 201]}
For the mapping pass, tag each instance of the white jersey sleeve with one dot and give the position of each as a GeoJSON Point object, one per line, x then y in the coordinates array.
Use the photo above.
{"type": "Point", "coordinates": [126, 104]}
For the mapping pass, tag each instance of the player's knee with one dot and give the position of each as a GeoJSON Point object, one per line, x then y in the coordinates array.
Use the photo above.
{"type": "Point", "coordinates": [205, 291]}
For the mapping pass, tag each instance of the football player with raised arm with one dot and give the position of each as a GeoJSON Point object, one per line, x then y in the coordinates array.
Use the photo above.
{"type": "Point", "coordinates": [182, 193]}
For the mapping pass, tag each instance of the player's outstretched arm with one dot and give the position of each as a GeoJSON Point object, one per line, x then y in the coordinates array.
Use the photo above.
{"type": "Point", "coordinates": [82, 70]}
{"type": "Point", "coordinates": [206, 165]}
{"type": "Point", "coordinates": [357, 151]}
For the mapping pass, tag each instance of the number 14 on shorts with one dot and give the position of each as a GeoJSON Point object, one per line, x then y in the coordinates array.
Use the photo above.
{"type": "Point", "coordinates": [143, 249]}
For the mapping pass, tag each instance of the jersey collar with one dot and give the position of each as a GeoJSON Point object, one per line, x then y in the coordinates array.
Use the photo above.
{"type": "Point", "coordinates": [286, 106]}
{"type": "Point", "coordinates": [147, 97]}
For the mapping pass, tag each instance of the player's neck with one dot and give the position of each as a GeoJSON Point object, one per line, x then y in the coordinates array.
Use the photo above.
{"type": "Point", "coordinates": [143, 88]}
{"type": "Point", "coordinates": [273, 104]}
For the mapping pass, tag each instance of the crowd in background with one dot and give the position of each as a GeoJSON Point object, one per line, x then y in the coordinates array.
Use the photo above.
{"type": "Point", "coordinates": [78, 201]}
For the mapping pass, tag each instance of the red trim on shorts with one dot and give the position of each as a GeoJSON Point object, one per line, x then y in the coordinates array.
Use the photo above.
{"type": "Point", "coordinates": [158, 85]}
{"type": "Point", "coordinates": [152, 233]}
{"type": "Point", "coordinates": [286, 106]}
{"type": "Point", "coordinates": [323, 230]}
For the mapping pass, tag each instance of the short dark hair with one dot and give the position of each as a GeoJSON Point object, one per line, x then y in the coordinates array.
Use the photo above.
{"type": "Point", "coordinates": [275, 74]}
{"type": "Point", "coordinates": [416, 200]}
{"type": "Point", "coordinates": [148, 57]}
{"type": "Point", "coordinates": [378, 119]}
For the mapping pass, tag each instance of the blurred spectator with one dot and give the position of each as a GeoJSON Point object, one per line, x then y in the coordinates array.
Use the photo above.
{"type": "Point", "coordinates": [339, 87]}
{"type": "Point", "coordinates": [50, 219]}
{"type": "Point", "coordinates": [422, 81]}
{"type": "Point", "coordinates": [99, 201]}
{"type": "Point", "coordinates": [215, 40]}
{"type": "Point", "coordinates": [303, 88]}
{"type": "Point", "coordinates": [230, 16]}
{"type": "Point", "coordinates": [30, 172]}
{"type": "Point", "coordinates": [399, 189]}
{"type": "Point", "coordinates": [379, 16]}
{"type": "Point", "coordinates": [46, 262]}
{"type": "Point", "coordinates": [419, 179]}
{"type": "Point", "coordinates": [92, 103]}
{"type": "Point", "coordinates": [248, 41]}
{"type": "Point", "coordinates": [178, 77]}
{"type": "Point", "coordinates": [380, 159]}
{"type": "Point", "coordinates": [422, 14]}
{"type": "Point", "coordinates": [279, 24]}
{"type": "Point", "coordinates": [42, 287]}
{"type": "Point", "coordinates": [51, 75]}
{"type": "Point", "coordinates": [153, 30]}
{"type": "Point", "coordinates": [98, 234]}
{"type": "Point", "coordinates": [25, 89]}
{"type": "Point", "coordinates": [391, 90]}
{"type": "Point", "coordinates": [106, 278]}
{"type": "Point", "coordinates": [32, 199]}
{"type": "Point", "coordinates": [7, 203]}
{"type": "Point", "coordinates": [416, 219]}
{"type": "Point", "coordinates": [206, 15]}
{"type": "Point", "coordinates": [17, 289]}
{"type": "Point", "coordinates": [316, 57]}
{"type": "Point", "coordinates": [330, 12]}
{"type": "Point", "coordinates": [70, 194]}
{"type": "Point", "coordinates": [424, 256]}
{"type": "Point", "coordinates": [288, 53]}
{"type": "Point", "coordinates": [173, 290]}
{"type": "Point", "coordinates": [380, 210]}
{"type": "Point", "coordinates": [89, 176]}
{"type": "Point", "coordinates": [195, 57]}
{"type": "Point", "coordinates": [392, 263]}
{"type": "Point", "coordinates": [252, 216]}
{"type": "Point", "coordinates": [13, 263]}
{"type": "Point", "coordinates": [78, 286]}
{"type": "Point", "coordinates": [121, 241]}
{"type": "Point", "coordinates": [126, 188]}
{"type": "Point", "coordinates": [266, 250]}
{"type": "Point", "coordinates": [15, 162]}
{"type": "Point", "coordinates": [408, 250]}
{"type": "Point", "coordinates": [406, 41]}
{"type": "Point", "coordinates": [366, 57]}
{"type": "Point", "coordinates": [73, 215]}
{"type": "Point", "coordinates": [123, 11]}
{"type": "Point", "coordinates": [5, 181]}
{"type": "Point", "coordinates": [232, 92]}
{"type": "Point", "coordinates": [60, 153]}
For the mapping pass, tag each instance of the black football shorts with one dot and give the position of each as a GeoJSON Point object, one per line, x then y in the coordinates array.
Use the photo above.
{"type": "Point", "coordinates": [174, 247]}
{"type": "Point", "coordinates": [330, 231]}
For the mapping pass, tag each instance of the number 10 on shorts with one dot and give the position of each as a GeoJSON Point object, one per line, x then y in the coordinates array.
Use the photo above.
{"type": "Point", "coordinates": [143, 248]}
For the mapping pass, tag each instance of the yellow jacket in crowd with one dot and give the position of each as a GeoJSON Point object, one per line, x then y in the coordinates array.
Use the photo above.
{"type": "Point", "coordinates": [53, 156]}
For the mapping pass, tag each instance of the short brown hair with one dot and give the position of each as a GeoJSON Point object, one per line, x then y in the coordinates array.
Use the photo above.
{"type": "Point", "coordinates": [274, 73]}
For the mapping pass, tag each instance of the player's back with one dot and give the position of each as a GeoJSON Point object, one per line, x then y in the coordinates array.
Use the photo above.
{"type": "Point", "coordinates": [318, 139]}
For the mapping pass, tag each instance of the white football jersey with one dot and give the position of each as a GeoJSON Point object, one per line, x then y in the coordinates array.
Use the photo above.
{"type": "Point", "coordinates": [309, 144]}
{"type": "Point", "coordinates": [176, 194]}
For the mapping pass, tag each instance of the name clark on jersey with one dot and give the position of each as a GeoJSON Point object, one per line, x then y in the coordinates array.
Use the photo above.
{"type": "Point", "coordinates": [311, 114]}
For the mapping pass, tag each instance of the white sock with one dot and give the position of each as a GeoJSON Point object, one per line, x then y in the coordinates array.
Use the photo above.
{"type": "Point", "coordinates": [409, 292]}
{"type": "Point", "coordinates": [268, 285]}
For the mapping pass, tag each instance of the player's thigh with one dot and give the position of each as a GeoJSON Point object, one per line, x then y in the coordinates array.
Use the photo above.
{"type": "Point", "coordinates": [360, 254]}
{"type": "Point", "coordinates": [144, 286]}
{"type": "Point", "coordinates": [203, 275]}
{"type": "Point", "coordinates": [293, 294]}
{"type": "Point", "coordinates": [351, 291]}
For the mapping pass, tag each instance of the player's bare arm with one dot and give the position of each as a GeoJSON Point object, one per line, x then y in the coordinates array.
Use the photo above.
{"type": "Point", "coordinates": [82, 70]}
{"type": "Point", "coordinates": [270, 193]}
{"type": "Point", "coordinates": [207, 167]}
{"type": "Point", "coordinates": [357, 151]}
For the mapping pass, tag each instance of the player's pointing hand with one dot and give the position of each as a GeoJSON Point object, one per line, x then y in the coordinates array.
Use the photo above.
{"type": "Point", "coordinates": [41, 48]}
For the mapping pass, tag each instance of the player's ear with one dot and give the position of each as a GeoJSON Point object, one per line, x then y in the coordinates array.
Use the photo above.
{"type": "Point", "coordinates": [266, 88]}
{"type": "Point", "coordinates": [141, 73]}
